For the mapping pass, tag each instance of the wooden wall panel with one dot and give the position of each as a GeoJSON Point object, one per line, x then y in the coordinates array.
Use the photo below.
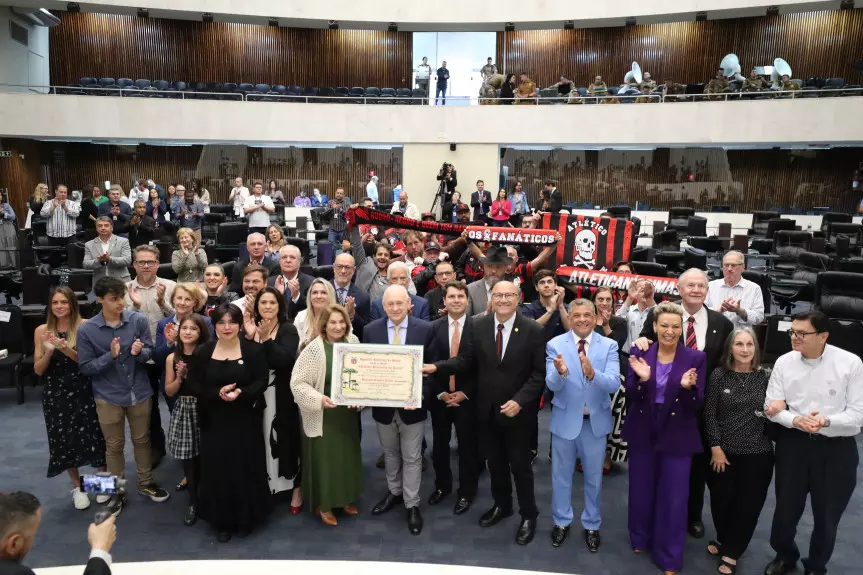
{"type": "Point", "coordinates": [216, 166]}
{"type": "Point", "coordinates": [746, 180]}
{"type": "Point", "coordinates": [116, 46]}
{"type": "Point", "coordinates": [20, 174]}
{"type": "Point", "coordinates": [824, 44]}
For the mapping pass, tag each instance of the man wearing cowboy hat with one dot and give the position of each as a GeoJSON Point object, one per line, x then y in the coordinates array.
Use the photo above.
{"type": "Point", "coordinates": [494, 266]}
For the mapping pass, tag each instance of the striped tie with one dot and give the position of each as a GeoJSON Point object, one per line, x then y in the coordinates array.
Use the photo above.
{"type": "Point", "coordinates": [691, 340]}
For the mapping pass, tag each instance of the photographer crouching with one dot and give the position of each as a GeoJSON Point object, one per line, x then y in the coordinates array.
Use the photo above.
{"type": "Point", "coordinates": [20, 515]}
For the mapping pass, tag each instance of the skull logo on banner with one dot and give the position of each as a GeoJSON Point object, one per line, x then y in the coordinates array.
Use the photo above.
{"type": "Point", "coordinates": [585, 248]}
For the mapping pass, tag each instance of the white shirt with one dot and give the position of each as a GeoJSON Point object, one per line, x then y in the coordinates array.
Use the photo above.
{"type": "Point", "coordinates": [832, 385]}
{"type": "Point", "coordinates": [634, 322]}
{"type": "Point", "coordinates": [258, 218]}
{"type": "Point", "coordinates": [372, 191]}
{"type": "Point", "coordinates": [240, 303]}
{"type": "Point", "coordinates": [749, 294]}
{"type": "Point", "coordinates": [507, 330]}
{"type": "Point", "coordinates": [700, 326]}
{"type": "Point", "coordinates": [240, 195]}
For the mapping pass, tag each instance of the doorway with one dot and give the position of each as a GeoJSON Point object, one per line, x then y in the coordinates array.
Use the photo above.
{"type": "Point", "coordinates": [465, 54]}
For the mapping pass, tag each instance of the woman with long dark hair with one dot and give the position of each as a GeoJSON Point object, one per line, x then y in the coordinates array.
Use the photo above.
{"type": "Point", "coordinates": [74, 436]}
{"type": "Point", "coordinates": [501, 208]}
{"type": "Point", "coordinates": [275, 193]}
{"type": "Point", "coordinates": [507, 91]}
{"type": "Point", "coordinates": [229, 377]}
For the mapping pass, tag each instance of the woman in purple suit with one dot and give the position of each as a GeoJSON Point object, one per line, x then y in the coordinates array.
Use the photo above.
{"type": "Point", "coordinates": [664, 389]}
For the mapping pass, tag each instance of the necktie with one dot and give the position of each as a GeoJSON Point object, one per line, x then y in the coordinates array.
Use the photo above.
{"type": "Point", "coordinates": [581, 343]}
{"type": "Point", "coordinates": [691, 340]}
{"type": "Point", "coordinates": [499, 341]}
{"type": "Point", "coordinates": [453, 351]}
{"type": "Point", "coordinates": [397, 338]}
{"type": "Point", "coordinates": [342, 292]}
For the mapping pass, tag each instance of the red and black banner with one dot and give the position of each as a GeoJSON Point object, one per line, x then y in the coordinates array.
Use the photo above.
{"type": "Point", "coordinates": [511, 235]}
{"type": "Point", "coordinates": [591, 243]}
{"type": "Point", "coordinates": [385, 220]}
{"type": "Point", "coordinates": [594, 279]}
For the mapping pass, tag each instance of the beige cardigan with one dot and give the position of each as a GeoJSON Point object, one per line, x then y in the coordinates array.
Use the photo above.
{"type": "Point", "coordinates": [308, 384]}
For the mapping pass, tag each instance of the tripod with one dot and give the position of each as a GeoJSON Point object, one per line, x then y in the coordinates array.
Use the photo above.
{"type": "Point", "coordinates": [438, 198]}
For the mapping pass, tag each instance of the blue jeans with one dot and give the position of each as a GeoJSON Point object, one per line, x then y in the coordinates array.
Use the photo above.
{"type": "Point", "coordinates": [336, 239]}
{"type": "Point", "coordinates": [440, 91]}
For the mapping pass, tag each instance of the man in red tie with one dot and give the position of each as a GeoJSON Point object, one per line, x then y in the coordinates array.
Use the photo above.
{"type": "Point", "coordinates": [705, 330]}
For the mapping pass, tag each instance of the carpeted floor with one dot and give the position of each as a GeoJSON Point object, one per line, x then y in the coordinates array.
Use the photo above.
{"type": "Point", "coordinates": [150, 531]}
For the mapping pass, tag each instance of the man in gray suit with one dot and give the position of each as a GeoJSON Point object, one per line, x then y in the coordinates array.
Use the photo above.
{"type": "Point", "coordinates": [108, 255]}
{"type": "Point", "coordinates": [494, 269]}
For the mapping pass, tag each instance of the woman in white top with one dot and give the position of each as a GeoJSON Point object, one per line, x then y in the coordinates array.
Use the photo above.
{"type": "Point", "coordinates": [321, 295]}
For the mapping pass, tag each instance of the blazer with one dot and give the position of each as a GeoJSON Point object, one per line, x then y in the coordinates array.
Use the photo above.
{"type": "Point", "coordinates": [362, 304]}
{"type": "Point", "coordinates": [555, 201]}
{"type": "Point", "coordinates": [434, 299]}
{"type": "Point", "coordinates": [236, 284]}
{"type": "Point", "coordinates": [464, 382]}
{"type": "Point", "coordinates": [162, 208]}
{"type": "Point", "coordinates": [475, 202]}
{"type": "Point", "coordinates": [678, 433]}
{"type": "Point", "coordinates": [520, 376]}
{"type": "Point", "coordinates": [121, 223]}
{"type": "Point", "coordinates": [119, 258]}
{"type": "Point", "coordinates": [257, 375]}
{"type": "Point", "coordinates": [421, 308]}
{"type": "Point", "coordinates": [143, 233]}
{"type": "Point", "coordinates": [419, 332]}
{"type": "Point", "coordinates": [477, 297]}
{"type": "Point", "coordinates": [308, 382]}
{"type": "Point", "coordinates": [719, 328]}
{"type": "Point", "coordinates": [573, 393]}
{"type": "Point", "coordinates": [95, 566]}
{"type": "Point", "coordinates": [305, 283]}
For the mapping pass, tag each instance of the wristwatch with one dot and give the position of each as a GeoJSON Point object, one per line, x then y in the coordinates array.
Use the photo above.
{"type": "Point", "coordinates": [826, 422]}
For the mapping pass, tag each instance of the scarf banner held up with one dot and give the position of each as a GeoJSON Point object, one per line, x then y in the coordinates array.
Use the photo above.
{"type": "Point", "coordinates": [383, 219]}
{"type": "Point", "coordinates": [512, 235]}
{"type": "Point", "coordinates": [594, 279]}
{"type": "Point", "coordinates": [592, 243]}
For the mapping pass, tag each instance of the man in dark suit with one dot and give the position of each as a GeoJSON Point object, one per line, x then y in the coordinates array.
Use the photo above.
{"type": "Point", "coordinates": [444, 272]}
{"type": "Point", "coordinates": [256, 244]}
{"type": "Point", "coordinates": [357, 303]}
{"type": "Point", "coordinates": [398, 274]}
{"type": "Point", "coordinates": [705, 330]}
{"type": "Point", "coordinates": [290, 281]}
{"type": "Point", "coordinates": [453, 404]}
{"type": "Point", "coordinates": [20, 515]}
{"type": "Point", "coordinates": [480, 201]}
{"type": "Point", "coordinates": [507, 350]}
{"type": "Point", "coordinates": [555, 198]}
{"type": "Point", "coordinates": [401, 430]}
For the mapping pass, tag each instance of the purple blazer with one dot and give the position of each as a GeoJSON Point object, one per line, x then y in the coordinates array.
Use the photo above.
{"type": "Point", "coordinates": [678, 433]}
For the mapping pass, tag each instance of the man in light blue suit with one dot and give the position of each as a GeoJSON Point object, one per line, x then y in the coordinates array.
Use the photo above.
{"type": "Point", "coordinates": [583, 370]}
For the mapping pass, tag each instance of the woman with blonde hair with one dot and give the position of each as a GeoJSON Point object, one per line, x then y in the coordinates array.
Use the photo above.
{"type": "Point", "coordinates": [74, 435]}
{"type": "Point", "coordinates": [190, 260]}
{"type": "Point", "coordinates": [37, 199]}
{"type": "Point", "coordinates": [275, 242]}
{"type": "Point", "coordinates": [332, 461]}
{"type": "Point", "coordinates": [321, 294]}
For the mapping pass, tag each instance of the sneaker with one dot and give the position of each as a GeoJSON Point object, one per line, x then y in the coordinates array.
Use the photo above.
{"type": "Point", "coordinates": [103, 499]}
{"type": "Point", "coordinates": [116, 503]}
{"type": "Point", "coordinates": [154, 492]}
{"type": "Point", "coordinates": [80, 499]}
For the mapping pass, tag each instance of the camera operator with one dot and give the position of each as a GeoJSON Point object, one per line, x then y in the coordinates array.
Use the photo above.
{"type": "Point", "coordinates": [20, 514]}
{"type": "Point", "coordinates": [447, 175]}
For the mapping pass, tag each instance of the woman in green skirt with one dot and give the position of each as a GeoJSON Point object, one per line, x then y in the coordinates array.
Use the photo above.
{"type": "Point", "coordinates": [332, 462]}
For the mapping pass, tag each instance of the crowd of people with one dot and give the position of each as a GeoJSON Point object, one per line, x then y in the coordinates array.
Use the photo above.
{"type": "Point", "coordinates": [244, 365]}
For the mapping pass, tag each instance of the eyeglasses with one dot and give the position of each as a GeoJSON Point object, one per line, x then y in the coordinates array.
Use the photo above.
{"type": "Point", "coordinates": [446, 273]}
{"type": "Point", "coordinates": [800, 334]}
{"type": "Point", "coordinates": [147, 264]}
{"type": "Point", "coordinates": [732, 266]}
{"type": "Point", "coordinates": [500, 296]}
{"type": "Point", "coordinates": [343, 267]}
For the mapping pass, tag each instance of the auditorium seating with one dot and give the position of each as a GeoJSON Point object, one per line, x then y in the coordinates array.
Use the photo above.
{"type": "Point", "coordinates": [840, 294]}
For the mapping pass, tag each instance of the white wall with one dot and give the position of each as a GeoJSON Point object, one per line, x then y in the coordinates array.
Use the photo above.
{"type": "Point", "coordinates": [449, 14]}
{"type": "Point", "coordinates": [423, 161]}
{"type": "Point", "coordinates": [22, 65]}
{"type": "Point", "coordinates": [807, 121]}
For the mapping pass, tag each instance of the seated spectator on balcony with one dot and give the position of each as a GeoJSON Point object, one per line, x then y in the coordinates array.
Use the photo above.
{"type": "Point", "coordinates": [645, 97]}
{"type": "Point", "coordinates": [61, 214]}
{"type": "Point", "coordinates": [487, 95]}
{"type": "Point", "coordinates": [526, 92]}
{"type": "Point", "coordinates": [507, 90]}
{"type": "Point", "coordinates": [238, 196]}
{"type": "Point", "coordinates": [319, 200]}
{"type": "Point", "coordinates": [501, 209]}
{"type": "Point", "coordinates": [156, 207]}
{"type": "Point", "coordinates": [303, 200]}
{"type": "Point", "coordinates": [496, 82]}
{"type": "Point", "coordinates": [646, 80]}
{"type": "Point", "coordinates": [563, 86]}
{"type": "Point", "coordinates": [275, 193]}
{"type": "Point", "coordinates": [406, 209]}
{"type": "Point", "coordinates": [598, 87]}
{"type": "Point", "coordinates": [786, 84]}
{"type": "Point", "coordinates": [755, 82]}
{"type": "Point", "coordinates": [718, 85]}
{"type": "Point", "coordinates": [142, 228]}
{"type": "Point", "coordinates": [672, 89]}
{"type": "Point", "coordinates": [190, 212]}
{"type": "Point", "coordinates": [189, 260]}
{"type": "Point", "coordinates": [258, 208]}
{"type": "Point", "coordinates": [119, 211]}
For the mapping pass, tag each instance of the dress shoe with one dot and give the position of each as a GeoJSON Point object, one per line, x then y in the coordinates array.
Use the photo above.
{"type": "Point", "coordinates": [462, 505]}
{"type": "Point", "coordinates": [437, 496]}
{"type": "Point", "coordinates": [808, 571]}
{"type": "Point", "coordinates": [381, 463]}
{"type": "Point", "coordinates": [558, 535]}
{"type": "Point", "coordinates": [415, 521]}
{"type": "Point", "coordinates": [526, 531]}
{"type": "Point", "coordinates": [591, 537]}
{"type": "Point", "coordinates": [779, 567]}
{"type": "Point", "coordinates": [351, 510]}
{"type": "Point", "coordinates": [696, 529]}
{"type": "Point", "coordinates": [191, 516]}
{"type": "Point", "coordinates": [387, 503]}
{"type": "Point", "coordinates": [494, 516]}
{"type": "Point", "coordinates": [328, 518]}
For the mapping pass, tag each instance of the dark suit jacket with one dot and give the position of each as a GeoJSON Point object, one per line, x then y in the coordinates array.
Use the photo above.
{"type": "Point", "coordinates": [419, 332]}
{"type": "Point", "coordinates": [95, 566]}
{"type": "Point", "coordinates": [143, 233]}
{"type": "Point", "coordinates": [434, 298]}
{"type": "Point", "coordinates": [555, 201]}
{"type": "Point", "coordinates": [679, 433]}
{"type": "Point", "coordinates": [464, 382]}
{"type": "Point", "coordinates": [305, 283]}
{"type": "Point", "coordinates": [237, 274]}
{"type": "Point", "coordinates": [719, 328]}
{"type": "Point", "coordinates": [121, 224]}
{"type": "Point", "coordinates": [421, 309]}
{"type": "Point", "coordinates": [257, 376]}
{"type": "Point", "coordinates": [520, 376]}
{"type": "Point", "coordinates": [475, 203]}
{"type": "Point", "coordinates": [362, 304]}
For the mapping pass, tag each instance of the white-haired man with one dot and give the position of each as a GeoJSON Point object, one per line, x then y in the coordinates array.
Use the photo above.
{"type": "Point", "coordinates": [737, 298]}
{"type": "Point", "coordinates": [256, 244]}
{"type": "Point", "coordinates": [290, 281]}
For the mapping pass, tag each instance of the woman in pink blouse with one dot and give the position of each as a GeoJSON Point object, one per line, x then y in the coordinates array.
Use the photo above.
{"type": "Point", "coordinates": [501, 208]}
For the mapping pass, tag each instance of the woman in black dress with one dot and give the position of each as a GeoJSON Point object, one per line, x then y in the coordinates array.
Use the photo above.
{"type": "Point", "coordinates": [507, 91]}
{"type": "Point", "coordinates": [74, 435]}
{"type": "Point", "coordinates": [268, 325]}
{"type": "Point", "coordinates": [229, 378]}
{"type": "Point", "coordinates": [613, 327]}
